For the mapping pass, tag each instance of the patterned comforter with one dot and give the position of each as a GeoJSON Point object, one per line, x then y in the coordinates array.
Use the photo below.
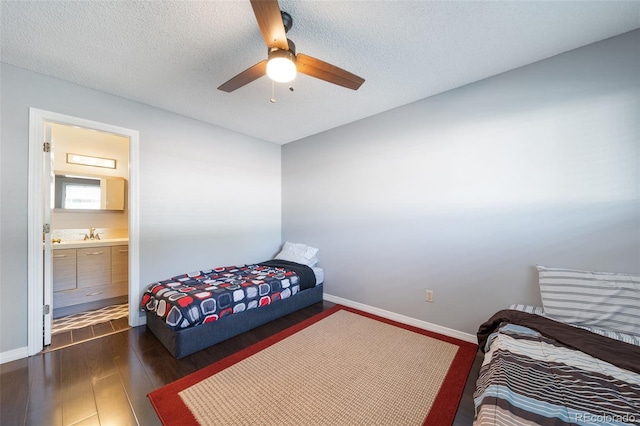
{"type": "Point", "coordinates": [541, 372]}
{"type": "Point", "coordinates": [204, 296]}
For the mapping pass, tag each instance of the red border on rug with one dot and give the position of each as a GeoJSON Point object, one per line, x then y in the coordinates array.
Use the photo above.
{"type": "Point", "coordinates": [172, 410]}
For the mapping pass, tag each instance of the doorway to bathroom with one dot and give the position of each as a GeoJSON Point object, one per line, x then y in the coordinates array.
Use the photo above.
{"type": "Point", "coordinates": [83, 227]}
{"type": "Point", "coordinates": [89, 228]}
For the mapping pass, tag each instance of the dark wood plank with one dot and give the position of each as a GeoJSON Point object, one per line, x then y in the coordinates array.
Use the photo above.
{"type": "Point", "coordinates": [466, 409]}
{"type": "Point", "coordinates": [81, 334]}
{"type": "Point", "coordinates": [135, 380]}
{"type": "Point", "coordinates": [78, 402]}
{"type": "Point", "coordinates": [14, 390]}
{"type": "Point", "coordinates": [142, 340]}
{"type": "Point", "coordinates": [112, 402]}
{"type": "Point", "coordinates": [162, 368]}
{"type": "Point", "coordinates": [60, 340]}
{"type": "Point", "coordinates": [106, 380]}
{"type": "Point", "coordinates": [45, 392]}
{"type": "Point", "coordinates": [44, 417]}
{"type": "Point", "coordinates": [145, 413]}
{"type": "Point", "coordinates": [120, 324]}
{"type": "Point", "coordinates": [92, 420]}
{"type": "Point", "coordinates": [102, 329]}
{"type": "Point", "coordinates": [100, 363]}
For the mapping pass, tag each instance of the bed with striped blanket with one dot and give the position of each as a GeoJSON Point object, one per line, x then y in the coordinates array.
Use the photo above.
{"type": "Point", "coordinates": [539, 371]}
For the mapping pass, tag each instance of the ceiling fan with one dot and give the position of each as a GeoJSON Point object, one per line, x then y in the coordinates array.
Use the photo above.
{"type": "Point", "coordinates": [282, 62]}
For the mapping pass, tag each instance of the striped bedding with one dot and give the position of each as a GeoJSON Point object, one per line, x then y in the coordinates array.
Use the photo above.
{"type": "Point", "coordinates": [538, 371]}
{"type": "Point", "coordinates": [604, 300]}
{"type": "Point", "coordinates": [616, 335]}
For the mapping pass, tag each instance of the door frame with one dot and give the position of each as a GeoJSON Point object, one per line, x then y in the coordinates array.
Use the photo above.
{"type": "Point", "coordinates": [35, 219]}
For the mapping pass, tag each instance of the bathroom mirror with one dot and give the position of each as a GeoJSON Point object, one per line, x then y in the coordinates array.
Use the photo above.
{"type": "Point", "coordinates": [90, 192]}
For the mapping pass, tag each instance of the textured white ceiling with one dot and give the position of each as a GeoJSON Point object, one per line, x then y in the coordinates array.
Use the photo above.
{"type": "Point", "coordinates": [174, 54]}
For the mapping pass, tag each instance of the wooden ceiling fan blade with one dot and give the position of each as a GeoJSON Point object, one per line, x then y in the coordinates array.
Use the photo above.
{"type": "Point", "coordinates": [325, 71]}
{"type": "Point", "coordinates": [245, 77]}
{"type": "Point", "coordinates": [270, 22]}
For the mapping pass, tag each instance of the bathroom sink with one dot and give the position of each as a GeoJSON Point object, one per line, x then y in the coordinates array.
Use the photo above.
{"type": "Point", "coordinates": [90, 243]}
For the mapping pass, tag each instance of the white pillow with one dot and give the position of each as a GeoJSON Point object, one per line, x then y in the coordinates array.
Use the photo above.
{"type": "Point", "coordinates": [603, 300]}
{"type": "Point", "coordinates": [299, 253]}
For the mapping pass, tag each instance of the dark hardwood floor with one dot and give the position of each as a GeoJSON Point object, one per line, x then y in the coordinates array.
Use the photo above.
{"type": "Point", "coordinates": [105, 381]}
{"type": "Point", "coordinates": [77, 335]}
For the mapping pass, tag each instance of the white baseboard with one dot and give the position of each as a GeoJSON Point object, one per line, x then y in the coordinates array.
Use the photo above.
{"type": "Point", "coordinates": [138, 320]}
{"type": "Point", "coordinates": [14, 354]}
{"type": "Point", "coordinates": [402, 319]}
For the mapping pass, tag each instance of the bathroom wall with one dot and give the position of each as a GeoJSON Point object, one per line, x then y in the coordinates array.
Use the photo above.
{"type": "Point", "coordinates": [70, 139]}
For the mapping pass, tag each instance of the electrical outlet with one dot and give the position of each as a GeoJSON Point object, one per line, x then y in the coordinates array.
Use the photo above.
{"type": "Point", "coordinates": [429, 296]}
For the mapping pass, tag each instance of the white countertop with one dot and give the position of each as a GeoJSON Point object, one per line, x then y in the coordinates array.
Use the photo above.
{"type": "Point", "coordinates": [90, 243]}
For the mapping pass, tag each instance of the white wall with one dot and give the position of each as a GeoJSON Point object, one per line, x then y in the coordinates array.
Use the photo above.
{"type": "Point", "coordinates": [461, 193]}
{"type": "Point", "coordinates": [208, 196]}
{"type": "Point", "coordinates": [464, 192]}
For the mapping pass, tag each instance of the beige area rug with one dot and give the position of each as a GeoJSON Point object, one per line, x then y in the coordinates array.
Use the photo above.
{"type": "Point", "coordinates": [344, 368]}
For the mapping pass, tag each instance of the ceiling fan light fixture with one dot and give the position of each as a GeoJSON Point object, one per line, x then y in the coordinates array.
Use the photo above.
{"type": "Point", "coordinates": [281, 66]}
{"type": "Point", "coordinates": [282, 62]}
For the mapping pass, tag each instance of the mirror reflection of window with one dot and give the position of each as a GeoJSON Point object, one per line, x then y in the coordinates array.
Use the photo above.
{"type": "Point", "coordinates": [74, 192]}
{"type": "Point", "coordinates": [81, 196]}
{"type": "Point", "coordinates": [77, 192]}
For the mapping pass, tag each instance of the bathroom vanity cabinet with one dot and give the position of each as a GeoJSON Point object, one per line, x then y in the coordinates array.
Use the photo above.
{"type": "Point", "coordinates": [120, 266]}
{"type": "Point", "coordinates": [84, 275]}
{"type": "Point", "coordinates": [64, 270]}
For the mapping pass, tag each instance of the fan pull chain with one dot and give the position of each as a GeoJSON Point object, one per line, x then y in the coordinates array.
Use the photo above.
{"type": "Point", "coordinates": [273, 92]}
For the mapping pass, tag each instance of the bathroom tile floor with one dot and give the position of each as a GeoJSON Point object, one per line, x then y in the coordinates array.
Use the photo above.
{"type": "Point", "coordinates": [88, 325]}
{"type": "Point", "coordinates": [84, 319]}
